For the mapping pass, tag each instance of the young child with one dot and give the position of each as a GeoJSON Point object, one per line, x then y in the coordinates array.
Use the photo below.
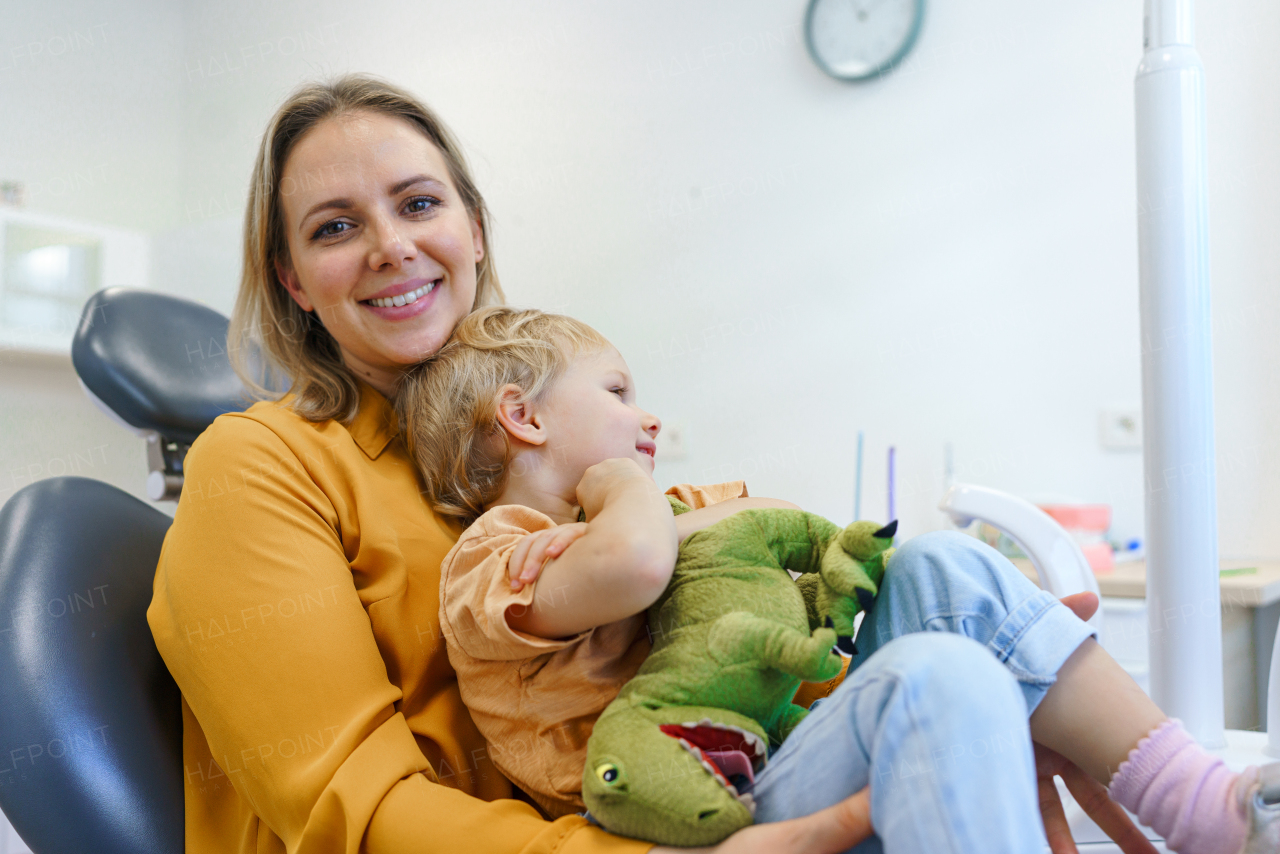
{"type": "Point", "coordinates": [526, 424]}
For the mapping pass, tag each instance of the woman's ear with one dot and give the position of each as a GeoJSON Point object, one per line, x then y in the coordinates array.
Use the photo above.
{"type": "Point", "coordinates": [477, 239]}
{"type": "Point", "coordinates": [288, 278]}
{"type": "Point", "coordinates": [519, 417]}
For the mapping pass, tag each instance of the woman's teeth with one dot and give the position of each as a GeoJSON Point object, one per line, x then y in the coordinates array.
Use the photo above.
{"type": "Point", "coordinates": [405, 299]}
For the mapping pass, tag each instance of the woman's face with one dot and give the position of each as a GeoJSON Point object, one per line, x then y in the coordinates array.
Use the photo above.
{"type": "Point", "coordinates": [373, 218]}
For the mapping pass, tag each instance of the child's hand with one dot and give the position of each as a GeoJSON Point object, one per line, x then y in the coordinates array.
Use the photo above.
{"type": "Point", "coordinates": [603, 479]}
{"type": "Point", "coordinates": [533, 552]}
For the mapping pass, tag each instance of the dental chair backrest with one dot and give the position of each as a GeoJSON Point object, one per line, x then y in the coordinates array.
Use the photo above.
{"type": "Point", "coordinates": [90, 719]}
{"type": "Point", "coordinates": [157, 365]}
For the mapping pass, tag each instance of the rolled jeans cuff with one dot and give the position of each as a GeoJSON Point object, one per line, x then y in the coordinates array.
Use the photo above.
{"type": "Point", "coordinates": [1035, 639]}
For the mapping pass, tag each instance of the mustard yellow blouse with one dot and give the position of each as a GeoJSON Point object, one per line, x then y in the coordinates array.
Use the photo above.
{"type": "Point", "coordinates": [296, 603]}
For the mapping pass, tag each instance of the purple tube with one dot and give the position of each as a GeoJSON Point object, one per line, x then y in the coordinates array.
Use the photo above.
{"type": "Point", "coordinates": [893, 510]}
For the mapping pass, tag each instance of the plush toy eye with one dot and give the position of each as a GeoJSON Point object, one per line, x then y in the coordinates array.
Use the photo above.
{"type": "Point", "coordinates": [607, 773]}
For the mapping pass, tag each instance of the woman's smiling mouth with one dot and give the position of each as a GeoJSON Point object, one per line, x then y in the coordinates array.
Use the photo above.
{"type": "Point", "coordinates": [403, 298]}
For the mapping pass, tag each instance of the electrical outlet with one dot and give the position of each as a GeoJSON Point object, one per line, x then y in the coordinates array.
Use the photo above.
{"type": "Point", "coordinates": [1120, 429]}
{"type": "Point", "coordinates": [670, 443]}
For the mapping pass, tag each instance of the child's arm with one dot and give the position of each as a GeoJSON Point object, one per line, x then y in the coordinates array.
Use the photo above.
{"type": "Point", "coordinates": [536, 549]}
{"type": "Point", "coordinates": [618, 567]}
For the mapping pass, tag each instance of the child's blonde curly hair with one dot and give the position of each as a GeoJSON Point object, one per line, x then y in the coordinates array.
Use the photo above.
{"type": "Point", "coordinates": [448, 404]}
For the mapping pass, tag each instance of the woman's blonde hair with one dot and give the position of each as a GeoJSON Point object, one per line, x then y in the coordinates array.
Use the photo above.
{"type": "Point", "coordinates": [270, 334]}
{"type": "Point", "coordinates": [448, 405]}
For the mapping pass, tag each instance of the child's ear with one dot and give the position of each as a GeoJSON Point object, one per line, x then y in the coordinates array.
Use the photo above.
{"type": "Point", "coordinates": [519, 417]}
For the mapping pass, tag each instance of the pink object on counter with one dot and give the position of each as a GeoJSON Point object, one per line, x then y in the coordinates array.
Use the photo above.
{"type": "Point", "coordinates": [1088, 524]}
{"type": "Point", "coordinates": [1080, 517]}
{"type": "Point", "coordinates": [1101, 559]}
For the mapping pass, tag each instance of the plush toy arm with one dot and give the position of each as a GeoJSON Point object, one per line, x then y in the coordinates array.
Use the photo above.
{"type": "Point", "coordinates": [797, 540]}
{"type": "Point", "coordinates": [790, 718]}
{"type": "Point", "coordinates": [809, 588]}
{"type": "Point", "coordinates": [851, 572]}
{"type": "Point", "coordinates": [740, 637]}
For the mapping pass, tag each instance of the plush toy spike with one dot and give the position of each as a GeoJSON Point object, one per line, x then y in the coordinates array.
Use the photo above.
{"type": "Point", "coordinates": [672, 758]}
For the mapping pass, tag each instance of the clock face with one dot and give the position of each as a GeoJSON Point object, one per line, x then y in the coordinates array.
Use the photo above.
{"type": "Point", "coordinates": [858, 39]}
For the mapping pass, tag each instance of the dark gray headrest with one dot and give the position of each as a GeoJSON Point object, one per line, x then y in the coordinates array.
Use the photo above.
{"type": "Point", "coordinates": [157, 361]}
{"type": "Point", "coordinates": [90, 720]}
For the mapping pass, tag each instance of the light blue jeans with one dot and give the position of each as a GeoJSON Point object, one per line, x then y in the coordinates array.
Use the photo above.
{"type": "Point", "coordinates": [955, 653]}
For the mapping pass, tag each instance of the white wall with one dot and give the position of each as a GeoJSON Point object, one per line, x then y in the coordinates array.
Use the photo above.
{"type": "Point", "coordinates": [91, 123]}
{"type": "Point", "coordinates": [90, 120]}
{"type": "Point", "coordinates": [946, 255]}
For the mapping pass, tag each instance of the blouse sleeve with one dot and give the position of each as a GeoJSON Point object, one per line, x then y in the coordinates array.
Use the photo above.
{"type": "Point", "coordinates": [298, 710]}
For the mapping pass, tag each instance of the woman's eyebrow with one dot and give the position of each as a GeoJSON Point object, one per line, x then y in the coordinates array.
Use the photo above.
{"type": "Point", "coordinates": [409, 182]}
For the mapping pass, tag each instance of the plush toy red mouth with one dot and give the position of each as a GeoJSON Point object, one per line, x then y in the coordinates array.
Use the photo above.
{"type": "Point", "coordinates": [725, 751]}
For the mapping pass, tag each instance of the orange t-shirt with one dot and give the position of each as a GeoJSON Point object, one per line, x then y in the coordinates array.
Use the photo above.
{"type": "Point", "coordinates": [536, 700]}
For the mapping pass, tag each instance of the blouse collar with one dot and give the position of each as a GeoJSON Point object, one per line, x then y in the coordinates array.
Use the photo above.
{"type": "Point", "coordinates": [375, 424]}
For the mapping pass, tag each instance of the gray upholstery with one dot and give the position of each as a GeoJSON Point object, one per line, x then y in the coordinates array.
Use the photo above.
{"type": "Point", "coordinates": [159, 362]}
{"type": "Point", "coordinates": [90, 722]}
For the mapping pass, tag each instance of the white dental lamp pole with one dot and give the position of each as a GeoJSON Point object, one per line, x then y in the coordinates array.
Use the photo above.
{"type": "Point", "coordinates": [1177, 376]}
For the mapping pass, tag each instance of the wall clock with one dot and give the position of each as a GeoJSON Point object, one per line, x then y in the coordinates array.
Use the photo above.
{"type": "Point", "coordinates": [861, 39]}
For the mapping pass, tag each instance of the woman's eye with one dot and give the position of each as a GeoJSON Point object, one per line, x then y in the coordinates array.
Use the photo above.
{"type": "Point", "coordinates": [426, 201]}
{"type": "Point", "coordinates": [329, 229]}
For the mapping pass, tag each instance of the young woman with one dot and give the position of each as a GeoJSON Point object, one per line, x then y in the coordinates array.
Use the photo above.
{"type": "Point", "coordinates": [295, 592]}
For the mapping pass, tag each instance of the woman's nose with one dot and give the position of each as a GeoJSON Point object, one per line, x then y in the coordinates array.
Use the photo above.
{"type": "Point", "coordinates": [390, 246]}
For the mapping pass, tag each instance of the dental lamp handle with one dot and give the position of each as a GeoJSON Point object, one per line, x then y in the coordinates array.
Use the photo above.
{"type": "Point", "coordinates": [1060, 564]}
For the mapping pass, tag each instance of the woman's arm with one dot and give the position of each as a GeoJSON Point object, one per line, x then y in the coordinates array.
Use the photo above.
{"type": "Point", "coordinates": [617, 568]}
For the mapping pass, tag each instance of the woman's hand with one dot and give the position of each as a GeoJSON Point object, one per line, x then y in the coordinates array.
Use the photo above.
{"type": "Point", "coordinates": [1093, 799]}
{"type": "Point", "coordinates": [533, 552]}
{"type": "Point", "coordinates": [834, 829]}
{"type": "Point", "coordinates": [1088, 792]}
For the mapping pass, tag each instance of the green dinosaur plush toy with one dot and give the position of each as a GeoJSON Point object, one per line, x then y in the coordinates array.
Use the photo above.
{"type": "Point", "coordinates": [733, 637]}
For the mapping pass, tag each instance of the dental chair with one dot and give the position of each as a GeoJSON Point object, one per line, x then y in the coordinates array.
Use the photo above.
{"type": "Point", "coordinates": [90, 723]}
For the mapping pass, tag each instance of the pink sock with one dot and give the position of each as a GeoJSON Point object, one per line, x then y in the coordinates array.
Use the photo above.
{"type": "Point", "coordinates": [1182, 792]}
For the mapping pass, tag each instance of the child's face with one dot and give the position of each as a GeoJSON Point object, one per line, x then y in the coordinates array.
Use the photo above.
{"type": "Point", "coordinates": [591, 415]}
